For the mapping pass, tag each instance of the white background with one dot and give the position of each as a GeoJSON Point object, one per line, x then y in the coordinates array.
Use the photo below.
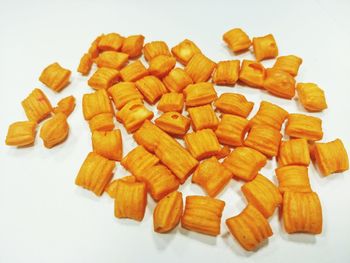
{"type": "Point", "coordinates": [44, 217]}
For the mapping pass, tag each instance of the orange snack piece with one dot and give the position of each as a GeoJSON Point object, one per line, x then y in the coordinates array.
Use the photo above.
{"type": "Point", "coordinates": [302, 212]}
{"type": "Point", "coordinates": [133, 114]}
{"type": "Point", "coordinates": [112, 59]}
{"type": "Point", "coordinates": [111, 189]}
{"type": "Point", "coordinates": [55, 130]}
{"type": "Point", "coordinates": [173, 123]}
{"type": "Point", "coordinates": [311, 97]}
{"type": "Point", "coordinates": [94, 50]}
{"type": "Point", "coordinates": [331, 157]}
{"type": "Point", "coordinates": [85, 64]}
{"type": "Point", "coordinates": [130, 200]}
{"type": "Point", "coordinates": [154, 49]}
{"type": "Point", "coordinates": [265, 47]}
{"type": "Point", "coordinates": [108, 144]}
{"type": "Point", "coordinates": [21, 133]}
{"type": "Point", "coordinates": [232, 130]}
{"type": "Point", "coordinates": [202, 144]}
{"type": "Point", "coordinates": [203, 215]}
{"type": "Point", "coordinates": [177, 80]}
{"type": "Point", "coordinates": [124, 92]}
{"type": "Point", "coordinates": [200, 68]}
{"type": "Point", "coordinates": [199, 94]}
{"type": "Point", "coordinates": [96, 103]}
{"type": "Point", "coordinates": [264, 139]}
{"type": "Point", "coordinates": [250, 228]}
{"type": "Point", "coordinates": [171, 102]}
{"type": "Point", "coordinates": [289, 64]}
{"type": "Point", "coordinates": [203, 117]}
{"type": "Point", "coordinates": [111, 41]}
{"type": "Point", "coordinates": [65, 106]}
{"type": "Point", "coordinates": [103, 78]}
{"type": "Point", "coordinates": [226, 72]}
{"type": "Point", "coordinates": [151, 88]}
{"type": "Point", "coordinates": [237, 40]}
{"type": "Point", "coordinates": [252, 73]}
{"type": "Point", "coordinates": [161, 65]}
{"type": "Point", "coordinates": [212, 176]}
{"type": "Point", "coordinates": [102, 122]}
{"type": "Point", "coordinates": [132, 45]}
{"type": "Point", "coordinates": [245, 163]}
{"type": "Point", "coordinates": [293, 178]}
{"type": "Point", "coordinates": [294, 152]}
{"type": "Point", "coordinates": [262, 194]}
{"type": "Point", "coordinates": [224, 152]}
{"type": "Point", "coordinates": [55, 77]}
{"type": "Point", "coordinates": [37, 106]}
{"type": "Point", "coordinates": [168, 212]}
{"type": "Point", "coordinates": [133, 72]}
{"type": "Point", "coordinates": [269, 114]}
{"type": "Point", "coordinates": [95, 173]}
{"type": "Point", "coordinates": [185, 50]}
{"type": "Point", "coordinates": [304, 126]}
{"type": "Point", "coordinates": [279, 83]}
{"type": "Point", "coordinates": [234, 103]}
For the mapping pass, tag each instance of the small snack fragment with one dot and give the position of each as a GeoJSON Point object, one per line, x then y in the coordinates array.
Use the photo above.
{"type": "Point", "coordinates": [226, 72]}
{"type": "Point", "coordinates": [108, 144]}
{"type": "Point", "coordinates": [133, 114]}
{"type": "Point", "coordinates": [237, 40]}
{"type": "Point", "coordinates": [65, 105]}
{"type": "Point", "coordinates": [203, 117]}
{"type": "Point", "coordinates": [130, 200]}
{"type": "Point", "coordinates": [111, 189]}
{"type": "Point", "coordinates": [124, 92]}
{"type": "Point", "coordinates": [293, 178]}
{"type": "Point", "coordinates": [161, 65]}
{"type": "Point", "coordinates": [234, 103]}
{"type": "Point", "coordinates": [203, 215]}
{"type": "Point", "coordinates": [250, 228]}
{"type": "Point", "coordinates": [202, 144]}
{"type": "Point", "coordinates": [279, 83]}
{"type": "Point", "coordinates": [111, 41]}
{"type": "Point", "coordinates": [95, 173]}
{"type": "Point", "coordinates": [311, 97]}
{"type": "Point", "coordinates": [94, 50]}
{"type": "Point", "coordinates": [289, 64]}
{"type": "Point", "coordinates": [231, 130]}
{"type": "Point", "coordinates": [262, 194]}
{"type": "Point", "coordinates": [224, 152]}
{"type": "Point", "coordinates": [151, 88]}
{"type": "Point", "coordinates": [185, 50]}
{"type": "Point", "coordinates": [294, 152]}
{"type": "Point", "coordinates": [37, 106]}
{"type": "Point", "coordinates": [111, 59]}
{"type": "Point", "coordinates": [154, 49]}
{"type": "Point", "coordinates": [265, 139]}
{"type": "Point", "coordinates": [171, 102]}
{"type": "Point", "coordinates": [168, 212]}
{"type": "Point", "coordinates": [103, 78]}
{"type": "Point", "coordinates": [199, 94]}
{"type": "Point", "coordinates": [21, 133]}
{"type": "Point", "coordinates": [55, 77]}
{"type": "Point", "coordinates": [212, 176]}
{"type": "Point", "coordinates": [302, 212]}
{"type": "Point", "coordinates": [200, 68]}
{"type": "Point", "coordinates": [132, 45]}
{"type": "Point", "coordinates": [102, 122]}
{"type": "Point", "coordinates": [85, 64]}
{"type": "Point", "coordinates": [96, 103]}
{"type": "Point", "coordinates": [177, 80]}
{"type": "Point", "coordinates": [331, 157]}
{"type": "Point", "coordinates": [133, 72]}
{"type": "Point", "coordinates": [244, 163]}
{"type": "Point", "coordinates": [269, 114]}
{"type": "Point", "coordinates": [173, 123]}
{"type": "Point", "coordinates": [304, 126]}
{"type": "Point", "coordinates": [252, 73]}
{"type": "Point", "coordinates": [265, 47]}
{"type": "Point", "coordinates": [55, 130]}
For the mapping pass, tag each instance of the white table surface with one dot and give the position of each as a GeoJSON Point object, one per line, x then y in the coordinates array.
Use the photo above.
{"type": "Point", "coordinates": [45, 217]}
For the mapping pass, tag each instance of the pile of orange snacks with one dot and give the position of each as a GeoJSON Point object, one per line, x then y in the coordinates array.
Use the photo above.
{"type": "Point", "coordinates": [159, 164]}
